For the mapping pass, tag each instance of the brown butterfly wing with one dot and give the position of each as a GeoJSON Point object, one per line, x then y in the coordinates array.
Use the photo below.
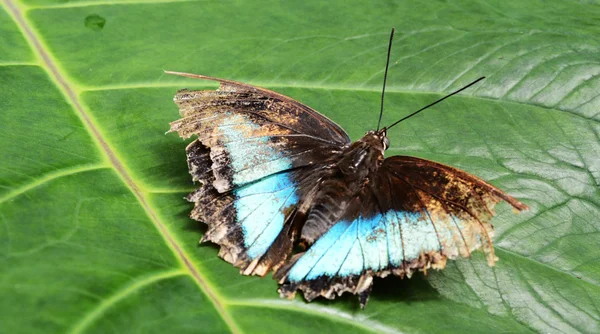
{"type": "Point", "coordinates": [413, 215]}
{"type": "Point", "coordinates": [251, 154]}
{"type": "Point", "coordinates": [259, 126]}
{"type": "Point", "coordinates": [457, 204]}
{"type": "Point", "coordinates": [273, 107]}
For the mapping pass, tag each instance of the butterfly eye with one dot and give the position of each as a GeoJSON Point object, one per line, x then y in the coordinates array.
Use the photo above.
{"type": "Point", "coordinates": [386, 143]}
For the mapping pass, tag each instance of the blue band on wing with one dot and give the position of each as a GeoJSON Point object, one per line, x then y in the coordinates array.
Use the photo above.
{"type": "Point", "coordinates": [375, 243]}
{"type": "Point", "coordinates": [264, 195]}
{"type": "Point", "coordinates": [419, 235]}
{"type": "Point", "coordinates": [394, 239]}
{"type": "Point", "coordinates": [328, 256]}
{"type": "Point", "coordinates": [260, 210]}
{"type": "Point", "coordinates": [249, 162]}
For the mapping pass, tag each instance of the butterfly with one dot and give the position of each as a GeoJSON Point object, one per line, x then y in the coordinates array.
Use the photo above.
{"type": "Point", "coordinates": [285, 190]}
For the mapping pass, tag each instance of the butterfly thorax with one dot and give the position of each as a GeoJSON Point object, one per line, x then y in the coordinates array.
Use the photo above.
{"type": "Point", "coordinates": [364, 156]}
{"type": "Point", "coordinates": [342, 183]}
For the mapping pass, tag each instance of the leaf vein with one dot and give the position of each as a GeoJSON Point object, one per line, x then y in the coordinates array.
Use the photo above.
{"type": "Point", "coordinates": [106, 304]}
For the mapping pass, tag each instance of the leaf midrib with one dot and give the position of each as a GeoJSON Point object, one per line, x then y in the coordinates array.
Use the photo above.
{"type": "Point", "coordinates": [65, 87]}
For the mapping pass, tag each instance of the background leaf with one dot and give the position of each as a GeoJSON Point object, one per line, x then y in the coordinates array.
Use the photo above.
{"type": "Point", "coordinates": [94, 233]}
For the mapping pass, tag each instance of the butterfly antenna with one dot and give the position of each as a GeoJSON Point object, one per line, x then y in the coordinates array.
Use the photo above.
{"type": "Point", "coordinates": [387, 65]}
{"type": "Point", "coordinates": [436, 102]}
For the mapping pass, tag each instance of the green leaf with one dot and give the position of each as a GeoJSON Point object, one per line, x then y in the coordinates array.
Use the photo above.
{"type": "Point", "coordinates": [94, 234]}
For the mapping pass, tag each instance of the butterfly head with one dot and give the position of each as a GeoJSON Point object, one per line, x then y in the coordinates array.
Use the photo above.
{"type": "Point", "coordinates": [378, 139]}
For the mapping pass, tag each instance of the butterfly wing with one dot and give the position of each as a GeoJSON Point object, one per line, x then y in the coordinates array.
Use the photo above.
{"type": "Point", "coordinates": [413, 215]}
{"type": "Point", "coordinates": [253, 132]}
{"type": "Point", "coordinates": [461, 202]}
{"type": "Point", "coordinates": [254, 152]}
